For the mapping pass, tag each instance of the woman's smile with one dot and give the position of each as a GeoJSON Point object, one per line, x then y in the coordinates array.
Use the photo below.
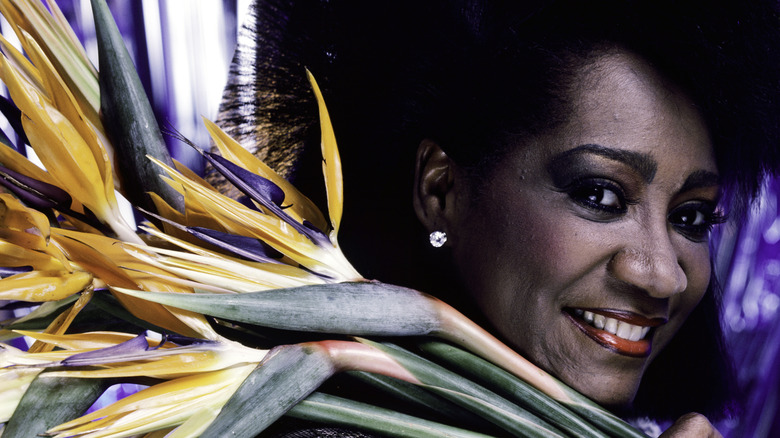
{"type": "Point", "coordinates": [586, 248]}
{"type": "Point", "coordinates": [622, 331]}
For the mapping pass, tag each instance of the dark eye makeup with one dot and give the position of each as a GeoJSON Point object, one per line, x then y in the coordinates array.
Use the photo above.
{"type": "Point", "coordinates": [692, 219]}
{"type": "Point", "coordinates": [586, 174]}
{"type": "Point", "coordinates": [598, 194]}
{"type": "Point", "coordinates": [695, 219]}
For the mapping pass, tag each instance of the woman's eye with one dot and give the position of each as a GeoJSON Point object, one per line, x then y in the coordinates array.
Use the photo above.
{"type": "Point", "coordinates": [692, 219]}
{"type": "Point", "coordinates": [695, 220]}
{"type": "Point", "coordinates": [599, 195]}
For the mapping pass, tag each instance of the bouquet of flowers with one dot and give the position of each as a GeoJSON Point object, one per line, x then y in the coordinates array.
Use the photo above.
{"type": "Point", "coordinates": [195, 301]}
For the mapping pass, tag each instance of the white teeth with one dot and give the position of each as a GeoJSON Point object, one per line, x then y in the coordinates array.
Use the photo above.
{"type": "Point", "coordinates": [624, 330]}
{"type": "Point", "coordinates": [588, 316]}
{"type": "Point", "coordinates": [611, 326]}
{"type": "Point", "coordinates": [636, 333]}
{"type": "Point", "coordinates": [620, 329]}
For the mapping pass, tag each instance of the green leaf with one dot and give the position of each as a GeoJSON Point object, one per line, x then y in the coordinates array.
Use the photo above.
{"type": "Point", "coordinates": [102, 313]}
{"type": "Point", "coordinates": [511, 387]}
{"type": "Point", "coordinates": [421, 400]}
{"type": "Point", "coordinates": [359, 309]}
{"type": "Point", "coordinates": [284, 378]}
{"type": "Point", "coordinates": [579, 404]}
{"type": "Point", "coordinates": [324, 408]}
{"type": "Point", "coordinates": [50, 401]}
{"type": "Point", "coordinates": [470, 395]}
{"type": "Point", "coordinates": [604, 419]}
{"type": "Point", "coordinates": [128, 117]}
{"type": "Point", "coordinates": [42, 316]}
{"type": "Point", "coordinates": [362, 309]}
{"type": "Point", "coordinates": [109, 305]}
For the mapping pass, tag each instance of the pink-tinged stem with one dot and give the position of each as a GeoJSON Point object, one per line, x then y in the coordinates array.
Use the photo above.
{"type": "Point", "coordinates": [456, 328]}
{"type": "Point", "coordinates": [353, 356]}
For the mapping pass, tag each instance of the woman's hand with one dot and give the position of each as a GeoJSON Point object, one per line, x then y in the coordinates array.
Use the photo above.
{"type": "Point", "coordinates": [692, 425]}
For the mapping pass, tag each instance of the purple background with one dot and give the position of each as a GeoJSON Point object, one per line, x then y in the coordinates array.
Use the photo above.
{"type": "Point", "coordinates": [182, 49]}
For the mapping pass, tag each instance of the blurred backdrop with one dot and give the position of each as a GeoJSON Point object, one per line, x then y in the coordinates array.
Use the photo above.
{"type": "Point", "coordinates": [182, 49]}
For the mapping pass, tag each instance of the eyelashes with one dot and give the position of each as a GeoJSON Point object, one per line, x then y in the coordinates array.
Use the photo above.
{"type": "Point", "coordinates": [696, 219]}
{"type": "Point", "coordinates": [606, 200]}
{"type": "Point", "coordinates": [599, 195]}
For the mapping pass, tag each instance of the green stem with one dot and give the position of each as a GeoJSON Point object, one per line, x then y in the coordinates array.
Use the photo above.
{"type": "Point", "coordinates": [287, 375]}
{"type": "Point", "coordinates": [128, 117]}
{"type": "Point", "coordinates": [50, 401]}
{"type": "Point", "coordinates": [420, 400]}
{"type": "Point", "coordinates": [462, 331]}
{"type": "Point", "coordinates": [512, 387]}
{"type": "Point", "coordinates": [330, 409]}
{"type": "Point", "coordinates": [470, 395]}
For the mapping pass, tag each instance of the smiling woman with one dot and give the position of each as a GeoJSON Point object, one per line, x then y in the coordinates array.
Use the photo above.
{"type": "Point", "coordinates": [566, 170]}
{"type": "Point", "coordinates": [606, 214]}
{"type": "Point", "coordinates": [575, 164]}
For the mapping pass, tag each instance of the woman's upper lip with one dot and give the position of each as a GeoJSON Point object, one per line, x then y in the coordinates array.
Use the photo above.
{"type": "Point", "coordinates": [627, 316]}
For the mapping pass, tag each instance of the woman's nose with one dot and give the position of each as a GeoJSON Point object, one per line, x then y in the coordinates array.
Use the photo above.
{"type": "Point", "coordinates": [649, 261]}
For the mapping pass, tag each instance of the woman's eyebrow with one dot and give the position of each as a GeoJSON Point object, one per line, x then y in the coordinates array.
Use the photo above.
{"type": "Point", "coordinates": [699, 179]}
{"type": "Point", "coordinates": [641, 162]}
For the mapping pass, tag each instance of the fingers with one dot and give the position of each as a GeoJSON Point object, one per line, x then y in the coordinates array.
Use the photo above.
{"type": "Point", "coordinates": [692, 425]}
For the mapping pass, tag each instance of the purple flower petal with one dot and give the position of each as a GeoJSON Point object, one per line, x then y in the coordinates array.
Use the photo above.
{"type": "Point", "coordinates": [43, 196]}
{"type": "Point", "coordinates": [136, 349]}
{"type": "Point", "coordinates": [14, 117]}
{"type": "Point", "coordinates": [255, 186]}
{"type": "Point", "coordinates": [247, 202]}
{"type": "Point", "coordinates": [13, 305]}
{"type": "Point", "coordinates": [263, 191]}
{"type": "Point", "coordinates": [316, 230]}
{"type": "Point", "coordinates": [37, 194]}
{"type": "Point", "coordinates": [187, 341]}
{"type": "Point", "coordinates": [128, 350]}
{"type": "Point", "coordinates": [6, 271]}
{"type": "Point", "coordinates": [247, 247]}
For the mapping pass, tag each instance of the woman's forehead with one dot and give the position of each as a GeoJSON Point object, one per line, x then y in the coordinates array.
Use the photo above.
{"type": "Point", "coordinates": [620, 101]}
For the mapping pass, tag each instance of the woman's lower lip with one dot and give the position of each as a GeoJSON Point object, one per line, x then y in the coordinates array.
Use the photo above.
{"type": "Point", "coordinates": [640, 348]}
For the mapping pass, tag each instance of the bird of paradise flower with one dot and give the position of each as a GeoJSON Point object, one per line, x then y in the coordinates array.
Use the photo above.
{"type": "Point", "coordinates": [273, 261]}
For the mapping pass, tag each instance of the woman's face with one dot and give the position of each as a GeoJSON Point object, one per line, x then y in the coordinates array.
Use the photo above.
{"type": "Point", "coordinates": [586, 249]}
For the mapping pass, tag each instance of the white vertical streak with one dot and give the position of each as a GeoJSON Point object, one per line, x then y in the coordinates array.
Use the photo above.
{"type": "Point", "coordinates": [87, 23]}
{"type": "Point", "coordinates": [197, 60]}
{"type": "Point", "coordinates": [241, 11]}
{"type": "Point", "coordinates": [155, 52]}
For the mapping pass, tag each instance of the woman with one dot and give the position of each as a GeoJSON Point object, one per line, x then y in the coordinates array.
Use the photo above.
{"type": "Point", "coordinates": [573, 154]}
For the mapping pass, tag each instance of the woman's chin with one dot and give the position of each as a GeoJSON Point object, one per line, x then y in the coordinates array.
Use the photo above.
{"type": "Point", "coordinates": [616, 398]}
{"type": "Point", "coordinates": [616, 392]}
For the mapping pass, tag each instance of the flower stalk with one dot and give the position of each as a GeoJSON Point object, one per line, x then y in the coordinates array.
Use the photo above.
{"type": "Point", "coordinates": [63, 398]}
{"type": "Point", "coordinates": [128, 117]}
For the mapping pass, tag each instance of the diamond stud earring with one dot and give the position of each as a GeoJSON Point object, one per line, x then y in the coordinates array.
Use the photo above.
{"type": "Point", "coordinates": [437, 238]}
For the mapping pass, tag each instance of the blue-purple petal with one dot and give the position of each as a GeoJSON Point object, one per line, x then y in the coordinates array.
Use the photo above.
{"type": "Point", "coordinates": [265, 192]}
{"type": "Point", "coordinates": [13, 305]}
{"type": "Point", "coordinates": [247, 202]}
{"type": "Point", "coordinates": [37, 194]}
{"type": "Point", "coordinates": [247, 247]}
{"type": "Point", "coordinates": [128, 350]}
{"type": "Point", "coordinates": [255, 186]}
{"type": "Point", "coordinates": [7, 271]}
{"type": "Point", "coordinates": [314, 229]}
{"type": "Point", "coordinates": [185, 341]}
{"type": "Point", "coordinates": [137, 348]}
{"type": "Point", "coordinates": [14, 117]}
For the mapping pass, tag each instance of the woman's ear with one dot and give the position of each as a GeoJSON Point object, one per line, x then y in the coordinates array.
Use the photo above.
{"type": "Point", "coordinates": [433, 183]}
